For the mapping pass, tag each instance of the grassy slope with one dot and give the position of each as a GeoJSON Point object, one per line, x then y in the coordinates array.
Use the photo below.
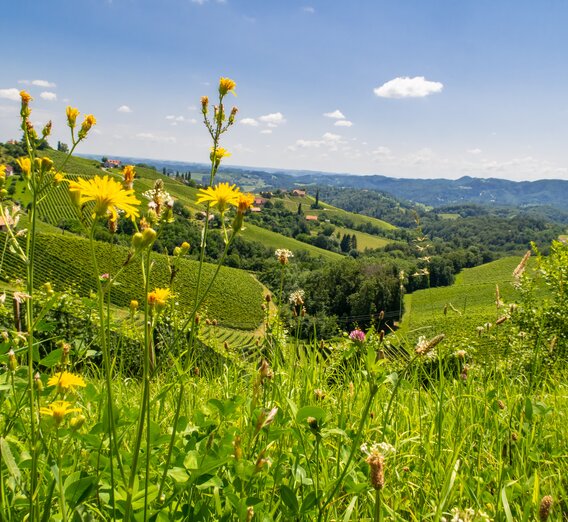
{"type": "Point", "coordinates": [364, 240]}
{"type": "Point", "coordinates": [273, 240]}
{"type": "Point", "coordinates": [235, 299]}
{"type": "Point", "coordinates": [291, 203]}
{"type": "Point", "coordinates": [473, 294]}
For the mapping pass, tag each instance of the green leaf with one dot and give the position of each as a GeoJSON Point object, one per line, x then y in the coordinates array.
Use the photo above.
{"type": "Point", "coordinates": [506, 507]}
{"type": "Point", "coordinates": [51, 359]}
{"type": "Point", "coordinates": [528, 410]}
{"type": "Point", "coordinates": [78, 490]}
{"type": "Point", "coordinates": [9, 460]}
{"type": "Point", "coordinates": [289, 498]}
{"type": "Point", "coordinates": [310, 411]}
{"type": "Point", "coordinates": [309, 502]}
{"type": "Point", "coordinates": [350, 508]}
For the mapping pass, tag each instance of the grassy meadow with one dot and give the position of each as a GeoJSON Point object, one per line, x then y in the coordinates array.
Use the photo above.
{"type": "Point", "coordinates": [228, 414]}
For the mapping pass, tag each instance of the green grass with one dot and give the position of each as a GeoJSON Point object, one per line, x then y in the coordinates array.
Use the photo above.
{"type": "Point", "coordinates": [364, 240]}
{"type": "Point", "coordinates": [274, 240]}
{"type": "Point", "coordinates": [472, 295]}
{"type": "Point", "coordinates": [291, 203]}
{"type": "Point", "coordinates": [64, 260]}
{"type": "Point", "coordinates": [450, 216]}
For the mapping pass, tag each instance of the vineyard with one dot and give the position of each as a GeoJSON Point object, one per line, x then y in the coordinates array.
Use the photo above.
{"type": "Point", "coordinates": [65, 261]}
{"type": "Point", "coordinates": [459, 309]}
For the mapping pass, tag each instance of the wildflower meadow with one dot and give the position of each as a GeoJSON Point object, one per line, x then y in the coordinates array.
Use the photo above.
{"type": "Point", "coordinates": [112, 408]}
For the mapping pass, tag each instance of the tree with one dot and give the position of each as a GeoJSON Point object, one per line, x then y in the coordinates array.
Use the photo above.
{"type": "Point", "coordinates": [353, 242]}
{"type": "Point", "coordinates": [345, 244]}
{"type": "Point", "coordinates": [300, 209]}
{"type": "Point", "coordinates": [62, 147]}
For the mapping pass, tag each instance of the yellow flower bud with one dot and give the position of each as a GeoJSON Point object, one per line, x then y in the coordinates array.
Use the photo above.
{"type": "Point", "coordinates": [137, 240]}
{"type": "Point", "coordinates": [226, 85]}
{"type": "Point", "coordinates": [25, 165]}
{"type": "Point", "coordinates": [72, 114]}
{"type": "Point", "coordinates": [26, 98]}
{"type": "Point", "coordinates": [204, 104]}
{"type": "Point", "coordinates": [88, 122]}
{"type": "Point", "coordinates": [148, 237]}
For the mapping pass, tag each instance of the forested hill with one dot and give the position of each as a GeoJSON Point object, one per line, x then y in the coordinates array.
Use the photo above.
{"type": "Point", "coordinates": [439, 192]}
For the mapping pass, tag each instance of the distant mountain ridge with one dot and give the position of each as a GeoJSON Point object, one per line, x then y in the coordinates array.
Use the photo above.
{"type": "Point", "coordinates": [432, 192]}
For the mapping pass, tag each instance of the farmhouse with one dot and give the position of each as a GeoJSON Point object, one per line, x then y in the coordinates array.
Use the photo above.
{"type": "Point", "coordinates": [111, 164]}
{"type": "Point", "coordinates": [299, 193]}
{"type": "Point", "coordinates": [311, 218]}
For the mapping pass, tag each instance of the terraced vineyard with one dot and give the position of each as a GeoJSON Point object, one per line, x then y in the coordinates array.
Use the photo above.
{"type": "Point", "coordinates": [469, 302]}
{"type": "Point", "coordinates": [64, 260]}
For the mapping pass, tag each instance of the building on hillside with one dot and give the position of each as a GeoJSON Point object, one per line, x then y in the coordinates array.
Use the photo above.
{"type": "Point", "coordinates": [301, 193]}
{"type": "Point", "coordinates": [260, 201]}
{"type": "Point", "coordinates": [12, 142]}
{"type": "Point", "coordinates": [111, 164]}
{"type": "Point", "coordinates": [311, 218]}
{"type": "Point", "coordinates": [9, 171]}
{"type": "Point", "coordinates": [202, 215]}
{"type": "Point", "coordinates": [255, 209]}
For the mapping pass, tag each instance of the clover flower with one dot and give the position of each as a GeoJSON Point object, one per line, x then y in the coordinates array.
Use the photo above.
{"type": "Point", "coordinates": [357, 335]}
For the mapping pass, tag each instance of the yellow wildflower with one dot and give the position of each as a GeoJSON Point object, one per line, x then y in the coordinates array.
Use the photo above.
{"type": "Point", "coordinates": [226, 85]}
{"type": "Point", "coordinates": [72, 114]}
{"type": "Point", "coordinates": [2, 170]}
{"type": "Point", "coordinates": [66, 381]}
{"type": "Point", "coordinates": [57, 410]}
{"type": "Point", "coordinates": [25, 165]}
{"type": "Point", "coordinates": [128, 173]}
{"type": "Point", "coordinates": [218, 154]}
{"type": "Point", "coordinates": [108, 195]}
{"type": "Point", "coordinates": [88, 122]}
{"type": "Point", "coordinates": [244, 202]}
{"type": "Point", "coordinates": [158, 297]}
{"type": "Point", "coordinates": [26, 98]}
{"type": "Point", "coordinates": [221, 196]}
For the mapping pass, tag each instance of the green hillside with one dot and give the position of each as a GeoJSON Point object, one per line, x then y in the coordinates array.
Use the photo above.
{"type": "Point", "coordinates": [274, 240]}
{"type": "Point", "coordinates": [291, 203]}
{"type": "Point", "coordinates": [64, 260]}
{"type": "Point", "coordinates": [472, 295]}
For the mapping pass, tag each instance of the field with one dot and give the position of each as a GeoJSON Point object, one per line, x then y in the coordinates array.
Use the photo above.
{"type": "Point", "coordinates": [65, 261]}
{"type": "Point", "coordinates": [291, 203]}
{"type": "Point", "coordinates": [273, 240]}
{"type": "Point", "coordinates": [468, 303]}
{"type": "Point", "coordinates": [364, 240]}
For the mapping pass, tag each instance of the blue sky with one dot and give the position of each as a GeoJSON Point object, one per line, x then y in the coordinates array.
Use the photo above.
{"type": "Point", "coordinates": [405, 88]}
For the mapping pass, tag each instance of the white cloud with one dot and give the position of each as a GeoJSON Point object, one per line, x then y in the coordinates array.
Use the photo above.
{"type": "Point", "coordinates": [266, 131]}
{"type": "Point", "coordinates": [405, 87]}
{"type": "Point", "coordinates": [328, 136]}
{"type": "Point", "coordinates": [272, 119]}
{"type": "Point", "coordinates": [191, 108]}
{"type": "Point", "coordinates": [172, 117]}
{"type": "Point", "coordinates": [10, 94]}
{"type": "Point", "coordinates": [43, 83]}
{"type": "Point", "coordinates": [124, 108]}
{"type": "Point", "coordinates": [308, 9]}
{"type": "Point", "coordinates": [382, 151]}
{"type": "Point", "coordinates": [328, 140]}
{"type": "Point", "coordinates": [47, 95]}
{"type": "Point", "coordinates": [343, 123]}
{"type": "Point", "coordinates": [148, 136]}
{"type": "Point", "coordinates": [475, 151]}
{"type": "Point", "coordinates": [336, 114]}
{"type": "Point", "coordinates": [251, 122]}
